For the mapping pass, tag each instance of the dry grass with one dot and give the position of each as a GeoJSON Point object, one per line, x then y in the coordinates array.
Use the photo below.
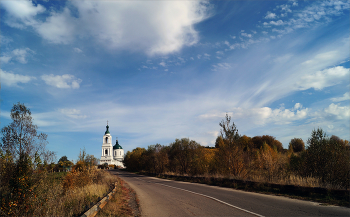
{"type": "Point", "coordinates": [69, 195]}
{"type": "Point", "coordinates": [119, 205]}
{"type": "Point", "coordinates": [286, 180]}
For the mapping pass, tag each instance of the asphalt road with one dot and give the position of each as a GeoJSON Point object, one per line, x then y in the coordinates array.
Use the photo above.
{"type": "Point", "coordinates": [160, 197]}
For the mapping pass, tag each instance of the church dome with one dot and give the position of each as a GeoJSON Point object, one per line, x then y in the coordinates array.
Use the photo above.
{"type": "Point", "coordinates": [117, 146]}
{"type": "Point", "coordinates": [107, 130]}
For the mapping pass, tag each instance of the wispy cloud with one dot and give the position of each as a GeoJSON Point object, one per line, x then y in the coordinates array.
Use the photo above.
{"type": "Point", "coordinates": [21, 55]}
{"type": "Point", "coordinates": [73, 113]}
{"type": "Point", "coordinates": [77, 50]}
{"type": "Point", "coordinates": [62, 81]}
{"type": "Point", "coordinates": [221, 66]}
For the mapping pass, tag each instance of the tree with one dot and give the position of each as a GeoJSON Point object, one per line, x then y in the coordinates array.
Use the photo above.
{"type": "Point", "coordinates": [328, 159]}
{"type": "Point", "coordinates": [297, 145]}
{"type": "Point", "coordinates": [229, 158]}
{"type": "Point", "coordinates": [22, 149]}
{"type": "Point", "coordinates": [133, 160]}
{"type": "Point", "coordinates": [62, 159]}
{"type": "Point", "coordinates": [183, 156]}
{"type": "Point", "coordinates": [21, 138]}
{"type": "Point", "coordinates": [269, 140]}
{"type": "Point", "coordinates": [229, 132]}
{"type": "Point", "coordinates": [63, 162]}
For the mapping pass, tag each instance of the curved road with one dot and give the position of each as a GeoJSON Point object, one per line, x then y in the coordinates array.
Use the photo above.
{"type": "Point", "coordinates": [160, 197]}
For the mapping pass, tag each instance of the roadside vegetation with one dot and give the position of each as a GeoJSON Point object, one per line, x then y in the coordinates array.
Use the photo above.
{"type": "Point", "coordinates": [31, 184]}
{"type": "Point", "coordinates": [324, 162]}
{"type": "Point", "coordinates": [123, 203]}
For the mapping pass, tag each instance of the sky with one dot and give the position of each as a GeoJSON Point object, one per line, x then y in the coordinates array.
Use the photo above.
{"type": "Point", "coordinates": [161, 70]}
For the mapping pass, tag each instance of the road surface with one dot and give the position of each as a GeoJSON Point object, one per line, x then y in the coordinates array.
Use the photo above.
{"type": "Point", "coordinates": [160, 197]}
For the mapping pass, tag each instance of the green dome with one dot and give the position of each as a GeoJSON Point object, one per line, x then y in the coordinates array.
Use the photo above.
{"type": "Point", "coordinates": [117, 146]}
{"type": "Point", "coordinates": [107, 130]}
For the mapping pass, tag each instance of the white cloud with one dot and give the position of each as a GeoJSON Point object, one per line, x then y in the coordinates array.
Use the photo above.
{"type": "Point", "coordinates": [270, 15]}
{"type": "Point", "coordinates": [162, 64]}
{"type": "Point", "coordinates": [246, 35]}
{"type": "Point", "coordinates": [283, 59]}
{"type": "Point", "coordinates": [223, 66]}
{"type": "Point", "coordinates": [5, 59]}
{"type": "Point", "coordinates": [314, 14]}
{"type": "Point", "coordinates": [11, 79]}
{"type": "Point", "coordinates": [159, 27]}
{"type": "Point", "coordinates": [62, 81]}
{"type": "Point", "coordinates": [285, 8]}
{"type": "Point", "coordinates": [73, 113]}
{"type": "Point", "coordinates": [263, 115]}
{"type": "Point", "coordinates": [340, 112]}
{"type": "Point", "coordinates": [136, 24]}
{"type": "Point", "coordinates": [278, 23]}
{"type": "Point", "coordinates": [22, 9]}
{"type": "Point", "coordinates": [20, 55]}
{"type": "Point", "coordinates": [77, 50]}
{"type": "Point", "coordinates": [297, 106]}
{"type": "Point", "coordinates": [324, 78]}
{"type": "Point", "coordinates": [58, 28]}
{"type": "Point", "coordinates": [345, 97]}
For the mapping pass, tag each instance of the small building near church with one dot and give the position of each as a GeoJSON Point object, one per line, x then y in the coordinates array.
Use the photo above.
{"type": "Point", "coordinates": [111, 154]}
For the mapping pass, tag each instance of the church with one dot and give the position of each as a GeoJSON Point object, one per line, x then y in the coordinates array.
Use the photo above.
{"type": "Point", "coordinates": [113, 155]}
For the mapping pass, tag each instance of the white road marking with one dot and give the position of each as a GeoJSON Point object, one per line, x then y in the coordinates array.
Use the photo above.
{"type": "Point", "coordinates": [203, 195]}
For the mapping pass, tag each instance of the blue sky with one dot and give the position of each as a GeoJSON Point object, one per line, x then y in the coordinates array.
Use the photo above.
{"type": "Point", "coordinates": [161, 70]}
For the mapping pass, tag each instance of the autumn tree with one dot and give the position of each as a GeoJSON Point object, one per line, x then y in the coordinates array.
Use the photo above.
{"type": "Point", "coordinates": [296, 145]}
{"type": "Point", "coordinates": [229, 158]}
{"type": "Point", "coordinates": [156, 159]}
{"type": "Point", "coordinates": [134, 160]}
{"type": "Point", "coordinates": [22, 149]}
{"type": "Point", "coordinates": [21, 138]}
{"type": "Point", "coordinates": [269, 140]}
{"type": "Point", "coordinates": [183, 155]}
{"type": "Point", "coordinates": [328, 159]}
{"type": "Point", "coordinates": [228, 131]}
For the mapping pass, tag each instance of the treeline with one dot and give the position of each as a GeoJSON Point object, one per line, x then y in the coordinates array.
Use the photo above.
{"type": "Point", "coordinates": [326, 159]}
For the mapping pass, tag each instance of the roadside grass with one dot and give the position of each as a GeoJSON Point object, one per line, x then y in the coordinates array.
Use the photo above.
{"type": "Point", "coordinates": [124, 202]}
{"type": "Point", "coordinates": [294, 187]}
{"type": "Point", "coordinates": [59, 194]}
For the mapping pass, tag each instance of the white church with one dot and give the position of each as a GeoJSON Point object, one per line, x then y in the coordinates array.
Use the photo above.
{"type": "Point", "coordinates": [111, 154]}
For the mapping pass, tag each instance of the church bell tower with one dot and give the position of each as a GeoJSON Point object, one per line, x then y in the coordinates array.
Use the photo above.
{"type": "Point", "coordinates": [107, 148]}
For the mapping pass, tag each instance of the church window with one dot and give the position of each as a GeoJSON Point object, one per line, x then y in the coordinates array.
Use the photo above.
{"type": "Point", "coordinates": [106, 151]}
{"type": "Point", "coordinates": [106, 139]}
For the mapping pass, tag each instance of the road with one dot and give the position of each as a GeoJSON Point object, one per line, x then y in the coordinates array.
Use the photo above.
{"type": "Point", "coordinates": [160, 197]}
